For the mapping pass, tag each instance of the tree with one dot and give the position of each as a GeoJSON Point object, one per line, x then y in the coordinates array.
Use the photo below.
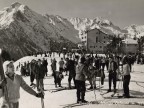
{"type": "Point", "coordinates": [140, 43]}
{"type": "Point", "coordinates": [5, 55]}
{"type": "Point", "coordinates": [115, 46]}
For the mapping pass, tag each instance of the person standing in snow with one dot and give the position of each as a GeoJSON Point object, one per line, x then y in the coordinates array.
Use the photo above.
{"type": "Point", "coordinates": [27, 69]}
{"type": "Point", "coordinates": [126, 77]}
{"type": "Point", "coordinates": [32, 71]}
{"type": "Point", "coordinates": [61, 65]}
{"type": "Point", "coordinates": [45, 63]}
{"type": "Point", "coordinates": [53, 65]}
{"type": "Point", "coordinates": [107, 62]}
{"type": "Point", "coordinates": [40, 73]}
{"type": "Point", "coordinates": [66, 66]}
{"type": "Point", "coordinates": [112, 73]}
{"type": "Point", "coordinates": [71, 68]}
{"type": "Point", "coordinates": [92, 76]}
{"type": "Point", "coordinates": [54, 73]}
{"type": "Point", "coordinates": [14, 82]}
{"type": "Point", "coordinates": [81, 76]}
{"type": "Point", "coordinates": [22, 70]}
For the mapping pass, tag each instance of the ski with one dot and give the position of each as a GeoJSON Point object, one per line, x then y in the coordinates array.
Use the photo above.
{"type": "Point", "coordinates": [71, 105]}
{"type": "Point", "coordinates": [104, 93]}
{"type": "Point", "coordinates": [81, 104]}
{"type": "Point", "coordinates": [60, 89]}
{"type": "Point", "coordinates": [2, 78]}
{"type": "Point", "coordinates": [102, 102]}
{"type": "Point", "coordinates": [113, 95]}
{"type": "Point", "coordinates": [33, 86]}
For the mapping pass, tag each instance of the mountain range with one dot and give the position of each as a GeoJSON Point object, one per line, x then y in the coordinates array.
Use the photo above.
{"type": "Point", "coordinates": [23, 31]}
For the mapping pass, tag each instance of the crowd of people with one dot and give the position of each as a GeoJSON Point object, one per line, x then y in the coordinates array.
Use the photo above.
{"type": "Point", "coordinates": [90, 66]}
{"type": "Point", "coordinates": [80, 68]}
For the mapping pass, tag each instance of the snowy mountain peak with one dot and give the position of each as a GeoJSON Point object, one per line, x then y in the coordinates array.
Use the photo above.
{"type": "Point", "coordinates": [79, 22]}
{"type": "Point", "coordinates": [8, 14]}
{"type": "Point", "coordinates": [135, 30]}
{"type": "Point", "coordinates": [84, 24]}
{"type": "Point", "coordinates": [16, 5]}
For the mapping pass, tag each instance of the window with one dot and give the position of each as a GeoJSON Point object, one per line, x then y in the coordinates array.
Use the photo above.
{"type": "Point", "coordinates": [96, 39]}
{"type": "Point", "coordinates": [99, 32]}
{"type": "Point", "coordinates": [104, 41]}
{"type": "Point", "coordinates": [91, 46]}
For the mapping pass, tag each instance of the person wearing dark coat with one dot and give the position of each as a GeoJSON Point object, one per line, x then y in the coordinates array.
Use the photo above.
{"type": "Point", "coordinates": [71, 68]}
{"type": "Point", "coordinates": [112, 73]}
{"type": "Point", "coordinates": [97, 63]}
{"type": "Point", "coordinates": [27, 69]}
{"type": "Point", "coordinates": [23, 70]}
{"type": "Point", "coordinates": [40, 73]}
{"type": "Point", "coordinates": [32, 67]}
{"type": "Point", "coordinates": [45, 63]}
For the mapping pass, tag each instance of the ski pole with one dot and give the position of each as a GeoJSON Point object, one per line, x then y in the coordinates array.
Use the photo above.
{"type": "Point", "coordinates": [94, 83]}
{"type": "Point", "coordinates": [42, 98]}
{"type": "Point", "coordinates": [119, 84]}
{"type": "Point", "coordinates": [94, 93]}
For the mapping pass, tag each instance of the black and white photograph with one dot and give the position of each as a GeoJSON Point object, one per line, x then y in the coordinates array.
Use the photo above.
{"type": "Point", "coordinates": [71, 53]}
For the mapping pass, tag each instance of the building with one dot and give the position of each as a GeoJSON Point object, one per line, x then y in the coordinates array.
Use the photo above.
{"type": "Point", "coordinates": [96, 41]}
{"type": "Point", "coordinates": [83, 38]}
{"type": "Point", "coordinates": [130, 45]}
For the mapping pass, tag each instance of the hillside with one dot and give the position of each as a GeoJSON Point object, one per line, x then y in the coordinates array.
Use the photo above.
{"type": "Point", "coordinates": [23, 31]}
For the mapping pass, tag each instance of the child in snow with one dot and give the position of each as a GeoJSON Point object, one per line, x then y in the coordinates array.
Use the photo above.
{"type": "Point", "coordinates": [58, 76]}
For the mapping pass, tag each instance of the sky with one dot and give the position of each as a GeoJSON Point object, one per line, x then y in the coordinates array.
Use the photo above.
{"type": "Point", "coordinates": [121, 12]}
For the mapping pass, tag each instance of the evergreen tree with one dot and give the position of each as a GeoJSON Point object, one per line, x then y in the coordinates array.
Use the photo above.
{"type": "Point", "coordinates": [5, 55]}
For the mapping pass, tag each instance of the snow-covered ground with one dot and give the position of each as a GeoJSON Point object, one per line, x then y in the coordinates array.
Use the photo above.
{"type": "Point", "coordinates": [63, 98]}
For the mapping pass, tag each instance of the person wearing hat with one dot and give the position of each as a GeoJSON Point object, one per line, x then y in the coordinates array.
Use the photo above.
{"type": "Point", "coordinates": [13, 82]}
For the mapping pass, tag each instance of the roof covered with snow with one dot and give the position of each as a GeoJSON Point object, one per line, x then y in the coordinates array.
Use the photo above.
{"type": "Point", "coordinates": [130, 41]}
